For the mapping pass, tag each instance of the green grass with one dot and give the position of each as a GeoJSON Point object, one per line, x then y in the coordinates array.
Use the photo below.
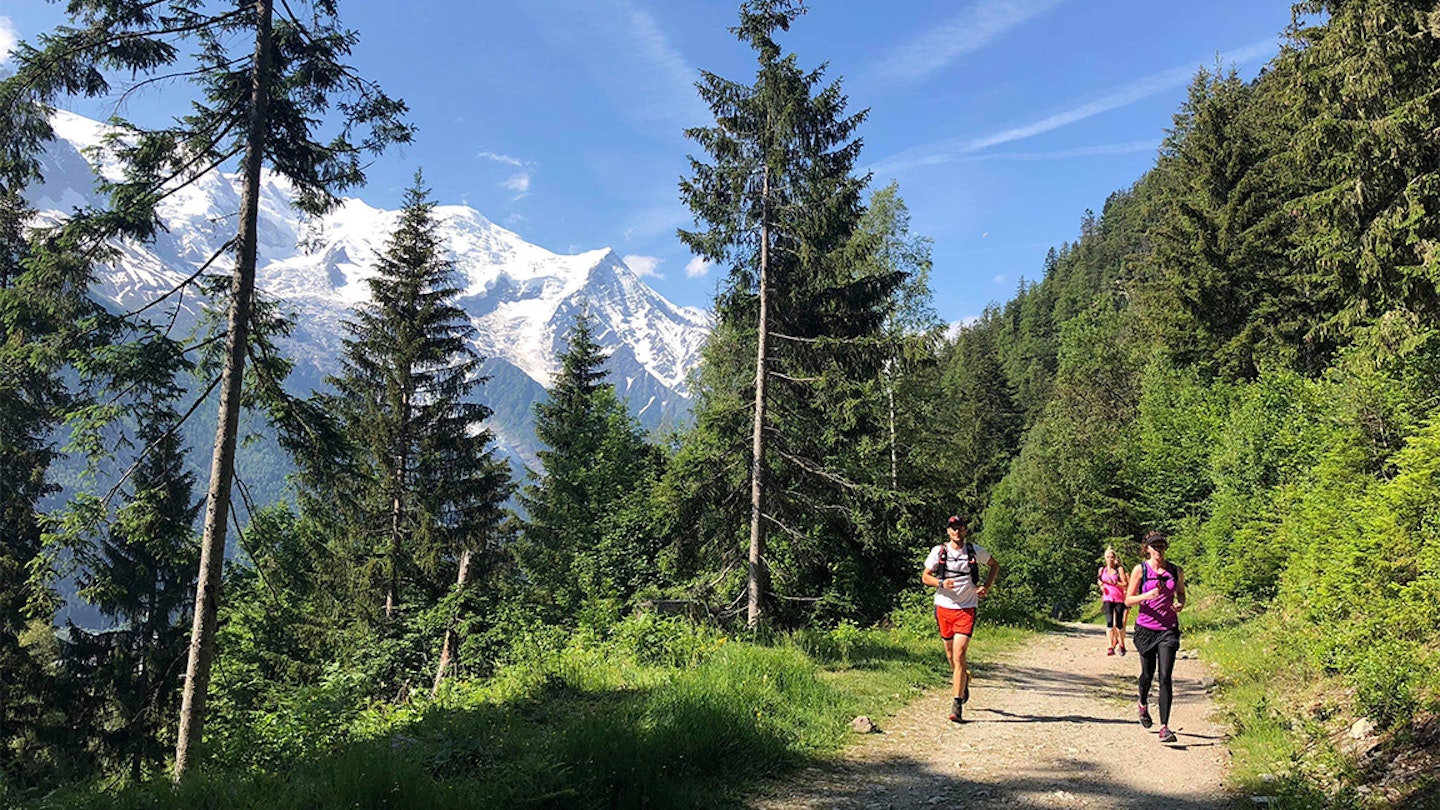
{"type": "Point", "coordinates": [1274, 702]}
{"type": "Point", "coordinates": [658, 713]}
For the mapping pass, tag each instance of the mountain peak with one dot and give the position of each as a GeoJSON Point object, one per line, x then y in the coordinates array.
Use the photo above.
{"type": "Point", "coordinates": [521, 298]}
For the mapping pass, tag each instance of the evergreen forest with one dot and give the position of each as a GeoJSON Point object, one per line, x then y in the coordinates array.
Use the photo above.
{"type": "Point", "coordinates": [1241, 348]}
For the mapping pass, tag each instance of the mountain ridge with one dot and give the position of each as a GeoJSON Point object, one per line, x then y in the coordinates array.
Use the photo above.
{"type": "Point", "coordinates": [521, 298]}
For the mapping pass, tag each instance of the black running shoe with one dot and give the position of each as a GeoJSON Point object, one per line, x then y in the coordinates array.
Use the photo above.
{"type": "Point", "coordinates": [955, 711]}
{"type": "Point", "coordinates": [1145, 717]}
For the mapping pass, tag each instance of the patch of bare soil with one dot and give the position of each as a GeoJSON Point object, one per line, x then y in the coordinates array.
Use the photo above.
{"type": "Point", "coordinates": [1051, 725]}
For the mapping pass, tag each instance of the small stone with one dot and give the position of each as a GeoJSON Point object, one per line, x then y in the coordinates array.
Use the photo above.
{"type": "Point", "coordinates": [936, 799]}
{"type": "Point", "coordinates": [1207, 683]}
{"type": "Point", "coordinates": [1262, 799]}
{"type": "Point", "coordinates": [1267, 778]}
{"type": "Point", "coordinates": [1362, 728]}
{"type": "Point", "coordinates": [863, 725]}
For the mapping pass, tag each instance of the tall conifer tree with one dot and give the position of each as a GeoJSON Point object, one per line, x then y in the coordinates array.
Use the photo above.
{"type": "Point", "coordinates": [262, 102]}
{"type": "Point", "coordinates": [780, 203]}
{"type": "Point", "coordinates": [428, 487]}
{"type": "Point", "coordinates": [595, 463]}
{"type": "Point", "coordinates": [143, 580]}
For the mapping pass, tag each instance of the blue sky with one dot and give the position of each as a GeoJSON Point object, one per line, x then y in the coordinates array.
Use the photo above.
{"type": "Point", "coordinates": [1001, 120]}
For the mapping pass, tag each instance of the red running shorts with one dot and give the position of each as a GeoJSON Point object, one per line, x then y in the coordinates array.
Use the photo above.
{"type": "Point", "coordinates": [955, 621]}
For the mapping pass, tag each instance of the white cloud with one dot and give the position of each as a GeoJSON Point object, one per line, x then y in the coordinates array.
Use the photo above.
{"type": "Point", "coordinates": [1065, 154]}
{"type": "Point", "coordinates": [499, 158]}
{"type": "Point", "coordinates": [971, 30]}
{"type": "Point", "coordinates": [697, 266]}
{"type": "Point", "coordinates": [1000, 279]}
{"type": "Point", "coordinates": [644, 266]}
{"type": "Point", "coordinates": [517, 183]}
{"type": "Point", "coordinates": [1154, 84]}
{"type": "Point", "coordinates": [9, 38]}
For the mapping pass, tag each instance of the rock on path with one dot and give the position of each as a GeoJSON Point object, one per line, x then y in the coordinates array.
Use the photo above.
{"type": "Point", "coordinates": [1050, 725]}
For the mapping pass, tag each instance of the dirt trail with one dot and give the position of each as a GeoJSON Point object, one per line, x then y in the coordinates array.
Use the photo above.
{"type": "Point", "coordinates": [1050, 725]}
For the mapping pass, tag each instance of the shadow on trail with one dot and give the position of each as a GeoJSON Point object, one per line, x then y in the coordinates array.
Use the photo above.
{"type": "Point", "coordinates": [979, 716]}
{"type": "Point", "coordinates": [902, 782]}
{"type": "Point", "coordinates": [1056, 681]}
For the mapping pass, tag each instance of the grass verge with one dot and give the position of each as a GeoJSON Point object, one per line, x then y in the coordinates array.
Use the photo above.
{"type": "Point", "coordinates": [612, 720]}
{"type": "Point", "coordinates": [1291, 719]}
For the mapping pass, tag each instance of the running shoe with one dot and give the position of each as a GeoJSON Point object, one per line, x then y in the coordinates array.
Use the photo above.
{"type": "Point", "coordinates": [1145, 720]}
{"type": "Point", "coordinates": [1166, 735]}
{"type": "Point", "coordinates": [1122, 649]}
{"type": "Point", "coordinates": [965, 698]}
{"type": "Point", "coordinates": [1110, 651]}
{"type": "Point", "coordinates": [955, 708]}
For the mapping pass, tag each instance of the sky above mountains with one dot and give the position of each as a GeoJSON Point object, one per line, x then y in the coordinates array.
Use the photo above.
{"type": "Point", "coordinates": [1001, 120]}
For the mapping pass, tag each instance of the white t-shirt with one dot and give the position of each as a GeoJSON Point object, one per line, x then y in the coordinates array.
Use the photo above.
{"type": "Point", "coordinates": [957, 568]}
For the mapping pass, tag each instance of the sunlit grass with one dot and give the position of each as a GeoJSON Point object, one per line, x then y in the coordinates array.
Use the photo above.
{"type": "Point", "coordinates": [1264, 681]}
{"type": "Point", "coordinates": [659, 713]}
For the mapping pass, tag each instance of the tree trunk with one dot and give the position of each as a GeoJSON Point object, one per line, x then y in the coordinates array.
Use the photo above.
{"type": "Point", "coordinates": [756, 577]}
{"type": "Point", "coordinates": [452, 638]}
{"type": "Point", "coordinates": [894, 455]}
{"type": "Point", "coordinates": [222, 464]}
{"type": "Point", "coordinates": [397, 508]}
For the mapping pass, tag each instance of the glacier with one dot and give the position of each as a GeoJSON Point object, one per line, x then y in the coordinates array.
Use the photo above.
{"type": "Point", "coordinates": [521, 298]}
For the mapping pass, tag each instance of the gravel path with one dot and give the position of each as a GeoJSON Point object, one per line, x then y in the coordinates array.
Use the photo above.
{"type": "Point", "coordinates": [1049, 725]}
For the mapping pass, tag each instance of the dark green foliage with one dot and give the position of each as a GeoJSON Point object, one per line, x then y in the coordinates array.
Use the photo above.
{"type": "Point", "coordinates": [127, 677]}
{"type": "Point", "coordinates": [425, 486]}
{"type": "Point", "coordinates": [1360, 113]}
{"type": "Point", "coordinates": [1220, 239]}
{"type": "Point", "coordinates": [781, 206]}
{"type": "Point", "coordinates": [585, 533]}
{"type": "Point", "coordinates": [30, 393]}
{"type": "Point", "coordinates": [976, 425]}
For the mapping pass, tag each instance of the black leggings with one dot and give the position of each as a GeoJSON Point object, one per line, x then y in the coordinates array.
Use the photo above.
{"type": "Point", "coordinates": [1157, 661]}
{"type": "Point", "coordinates": [1115, 614]}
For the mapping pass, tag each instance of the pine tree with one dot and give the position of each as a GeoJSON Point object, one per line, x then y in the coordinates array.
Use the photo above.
{"type": "Point", "coordinates": [883, 239]}
{"type": "Point", "coordinates": [144, 580]}
{"type": "Point", "coordinates": [428, 484]}
{"type": "Point", "coordinates": [263, 108]}
{"type": "Point", "coordinates": [781, 202]}
{"type": "Point", "coordinates": [1359, 112]}
{"type": "Point", "coordinates": [32, 398]}
{"type": "Point", "coordinates": [979, 424]}
{"type": "Point", "coordinates": [1219, 243]}
{"type": "Point", "coordinates": [596, 463]}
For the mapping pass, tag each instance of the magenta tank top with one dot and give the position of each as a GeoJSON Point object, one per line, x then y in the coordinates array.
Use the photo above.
{"type": "Point", "coordinates": [1110, 590]}
{"type": "Point", "coordinates": [1157, 613]}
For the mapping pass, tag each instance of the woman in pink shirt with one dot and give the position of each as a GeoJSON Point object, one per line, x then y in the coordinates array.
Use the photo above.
{"type": "Point", "coordinates": [1158, 587]}
{"type": "Point", "coordinates": [1113, 584]}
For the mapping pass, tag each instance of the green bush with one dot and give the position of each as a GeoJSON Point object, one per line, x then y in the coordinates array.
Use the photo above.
{"type": "Point", "coordinates": [1385, 677]}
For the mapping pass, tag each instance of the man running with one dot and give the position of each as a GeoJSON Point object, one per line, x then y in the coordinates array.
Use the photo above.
{"type": "Point", "coordinates": [952, 570]}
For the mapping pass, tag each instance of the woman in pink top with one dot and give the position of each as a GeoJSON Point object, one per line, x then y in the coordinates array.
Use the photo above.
{"type": "Point", "coordinates": [1158, 587]}
{"type": "Point", "coordinates": [1113, 583]}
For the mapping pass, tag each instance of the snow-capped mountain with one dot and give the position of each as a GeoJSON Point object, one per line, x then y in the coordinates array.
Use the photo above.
{"type": "Point", "coordinates": [521, 298]}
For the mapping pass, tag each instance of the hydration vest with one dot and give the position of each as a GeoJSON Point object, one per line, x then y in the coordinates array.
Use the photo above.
{"type": "Point", "coordinates": [941, 568]}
